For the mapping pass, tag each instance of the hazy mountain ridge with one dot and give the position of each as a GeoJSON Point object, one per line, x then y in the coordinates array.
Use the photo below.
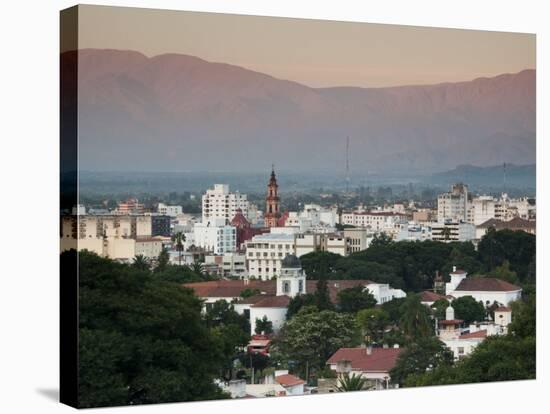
{"type": "Point", "coordinates": [170, 111]}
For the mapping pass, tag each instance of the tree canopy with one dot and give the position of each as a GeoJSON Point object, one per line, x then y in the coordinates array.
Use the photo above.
{"type": "Point", "coordinates": [468, 309]}
{"type": "Point", "coordinates": [420, 356]}
{"type": "Point", "coordinates": [142, 340]}
{"type": "Point", "coordinates": [354, 299]}
{"type": "Point", "coordinates": [312, 336]}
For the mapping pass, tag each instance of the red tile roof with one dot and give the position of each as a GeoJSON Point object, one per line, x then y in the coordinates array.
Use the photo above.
{"type": "Point", "coordinates": [458, 272]}
{"type": "Point", "coordinates": [478, 334]}
{"type": "Point", "coordinates": [428, 296]}
{"type": "Point", "coordinates": [230, 288]}
{"type": "Point", "coordinates": [233, 288]}
{"type": "Point", "coordinates": [486, 284]}
{"type": "Point", "coordinates": [240, 220]}
{"type": "Point", "coordinates": [272, 301]}
{"type": "Point", "coordinates": [517, 223]}
{"type": "Point", "coordinates": [380, 360]}
{"type": "Point", "coordinates": [289, 380]}
{"type": "Point", "coordinates": [503, 309]}
{"type": "Point", "coordinates": [450, 322]}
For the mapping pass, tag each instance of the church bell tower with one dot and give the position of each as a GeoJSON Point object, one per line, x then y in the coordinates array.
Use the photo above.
{"type": "Point", "coordinates": [272, 212]}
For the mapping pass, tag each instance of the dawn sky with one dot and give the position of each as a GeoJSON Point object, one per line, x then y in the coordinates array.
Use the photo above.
{"type": "Point", "coordinates": [313, 52]}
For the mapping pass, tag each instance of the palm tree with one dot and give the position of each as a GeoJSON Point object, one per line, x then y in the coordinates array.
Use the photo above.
{"type": "Point", "coordinates": [179, 238]}
{"type": "Point", "coordinates": [348, 383]}
{"type": "Point", "coordinates": [141, 262]}
{"type": "Point", "coordinates": [415, 321]}
{"type": "Point", "coordinates": [446, 233]}
{"type": "Point", "coordinates": [197, 268]}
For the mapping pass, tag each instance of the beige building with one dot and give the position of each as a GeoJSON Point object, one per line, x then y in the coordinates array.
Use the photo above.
{"type": "Point", "coordinates": [356, 239]}
{"type": "Point", "coordinates": [149, 247]}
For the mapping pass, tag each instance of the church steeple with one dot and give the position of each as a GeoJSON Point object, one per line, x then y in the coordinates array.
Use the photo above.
{"type": "Point", "coordinates": [272, 212]}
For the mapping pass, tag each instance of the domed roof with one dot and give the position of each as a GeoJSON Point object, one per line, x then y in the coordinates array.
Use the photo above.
{"type": "Point", "coordinates": [291, 261]}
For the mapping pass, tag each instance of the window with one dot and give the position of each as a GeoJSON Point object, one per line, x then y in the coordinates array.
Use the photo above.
{"type": "Point", "coordinates": [286, 287]}
{"type": "Point", "coordinates": [300, 286]}
{"type": "Point", "coordinates": [461, 350]}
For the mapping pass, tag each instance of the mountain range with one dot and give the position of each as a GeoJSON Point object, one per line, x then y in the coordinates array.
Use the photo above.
{"type": "Point", "coordinates": [176, 112]}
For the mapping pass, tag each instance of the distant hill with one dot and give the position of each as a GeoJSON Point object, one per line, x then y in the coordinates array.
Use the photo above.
{"type": "Point", "coordinates": [176, 112]}
{"type": "Point", "coordinates": [517, 176]}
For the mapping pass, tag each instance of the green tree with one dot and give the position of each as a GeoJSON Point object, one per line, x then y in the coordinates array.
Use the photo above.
{"type": "Point", "coordinates": [354, 299]}
{"type": "Point", "coordinates": [177, 274]}
{"type": "Point", "coordinates": [322, 296]}
{"type": "Point", "coordinates": [249, 292]}
{"type": "Point", "coordinates": [232, 331]}
{"type": "Point", "coordinates": [394, 309]}
{"type": "Point", "coordinates": [136, 335]}
{"type": "Point", "coordinates": [468, 309]}
{"type": "Point", "coordinates": [298, 302]}
{"type": "Point", "coordinates": [504, 272]}
{"type": "Point", "coordinates": [423, 355]}
{"type": "Point", "coordinates": [179, 239]}
{"type": "Point", "coordinates": [381, 239]}
{"type": "Point", "coordinates": [141, 262]}
{"type": "Point", "coordinates": [516, 247]}
{"type": "Point", "coordinates": [198, 268]}
{"type": "Point", "coordinates": [311, 337]}
{"type": "Point", "coordinates": [263, 325]}
{"type": "Point", "coordinates": [524, 318]}
{"type": "Point", "coordinates": [415, 320]}
{"type": "Point", "coordinates": [497, 358]}
{"type": "Point", "coordinates": [373, 323]}
{"type": "Point", "coordinates": [439, 308]}
{"type": "Point", "coordinates": [347, 383]}
{"type": "Point", "coordinates": [162, 260]}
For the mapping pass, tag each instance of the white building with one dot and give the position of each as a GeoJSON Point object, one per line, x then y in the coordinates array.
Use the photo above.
{"type": "Point", "coordinates": [449, 231]}
{"type": "Point", "coordinates": [228, 264]}
{"type": "Point", "coordinates": [265, 252]}
{"type": "Point", "coordinates": [270, 298]}
{"type": "Point", "coordinates": [462, 341]}
{"type": "Point", "coordinates": [218, 202]}
{"type": "Point", "coordinates": [487, 290]}
{"type": "Point", "coordinates": [454, 204]}
{"type": "Point", "coordinates": [167, 210]}
{"type": "Point", "coordinates": [215, 236]}
{"type": "Point", "coordinates": [414, 232]}
{"type": "Point", "coordinates": [376, 221]}
{"type": "Point", "coordinates": [373, 364]}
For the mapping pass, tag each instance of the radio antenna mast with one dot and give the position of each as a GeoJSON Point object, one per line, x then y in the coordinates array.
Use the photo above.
{"type": "Point", "coordinates": [347, 165]}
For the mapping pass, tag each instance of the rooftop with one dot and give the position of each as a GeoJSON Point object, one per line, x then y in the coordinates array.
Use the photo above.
{"type": "Point", "coordinates": [428, 296]}
{"type": "Point", "coordinates": [233, 288]}
{"type": "Point", "coordinates": [517, 223]}
{"type": "Point", "coordinates": [289, 380]}
{"type": "Point", "coordinates": [380, 359]}
{"type": "Point", "coordinates": [486, 284]}
{"type": "Point", "coordinates": [273, 236]}
{"type": "Point", "coordinates": [478, 334]}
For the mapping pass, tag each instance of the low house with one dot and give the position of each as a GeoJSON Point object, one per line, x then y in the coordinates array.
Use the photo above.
{"type": "Point", "coordinates": [487, 290]}
{"type": "Point", "coordinates": [463, 340]}
{"type": "Point", "coordinates": [428, 298]}
{"type": "Point", "coordinates": [373, 364]}
{"type": "Point", "coordinates": [292, 384]}
{"type": "Point", "coordinates": [259, 344]}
